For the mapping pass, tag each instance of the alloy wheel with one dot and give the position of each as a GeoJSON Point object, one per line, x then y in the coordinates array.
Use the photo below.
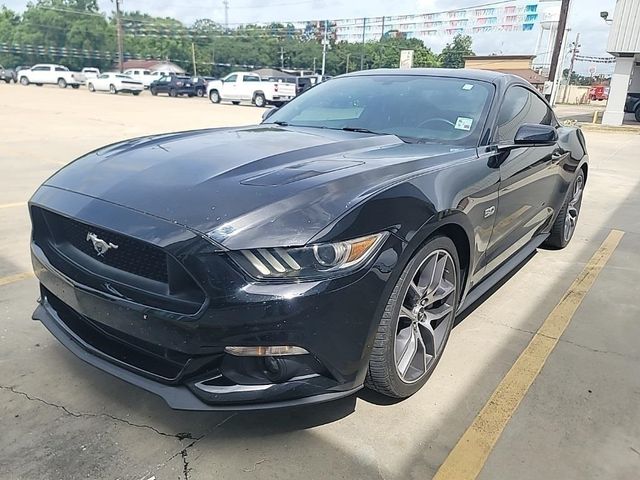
{"type": "Point", "coordinates": [426, 314]}
{"type": "Point", "coordinates": [573, 208]}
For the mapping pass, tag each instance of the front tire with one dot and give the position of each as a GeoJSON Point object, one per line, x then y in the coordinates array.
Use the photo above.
{"type": "Point", "coordinates": [567, 219]}
{"type": "Point", "coordinates": [24, 81]}
{"type": "Point", "coordinates": [91, 87]}
{"type": "Point", "coordinates": [637, 114]}
{"type": "Point", "coordinates": [112, 89]}
{"type": "Point", "coordinates": [153, 91]}
{"type": "Point", "coordinates": [62, 83]}
{"type": "Point", "coordinates": [416, 321]}
{"type": "Point", "coordinates": [214, 96]}
{"type": "Point", "coordinates": [173, 93]}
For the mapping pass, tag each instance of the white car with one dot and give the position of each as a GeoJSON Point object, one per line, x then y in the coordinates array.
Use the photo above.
{"type": "Point", "coordinates": [141, 75]}
{"type": "Point", "coordinates": [114, 82]}
{"type": "Point", "coordinates": [47, 73]}
{"type": "Point", "coordinates": [249, 87]}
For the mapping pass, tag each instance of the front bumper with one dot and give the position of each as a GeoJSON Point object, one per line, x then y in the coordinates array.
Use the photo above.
{"type": "Point", "coordinates": [180, 356]}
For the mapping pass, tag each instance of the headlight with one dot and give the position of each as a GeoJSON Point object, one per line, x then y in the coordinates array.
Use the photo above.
{"type": "Point", "coordinates": [310, 262]}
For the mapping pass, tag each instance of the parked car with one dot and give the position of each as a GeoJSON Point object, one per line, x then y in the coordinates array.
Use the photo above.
{"type": "Point", "coordinates": [141, 75]}
{"type": "Point", "coordinates": [249, 87]}
{"type": "Point", "coordinates": [174, 85]}
{"type": "Point", "coordinates": [599, 92]}
{"type": "Point", "coordinates": [8, 75]}
{"type": "Point", "coordinates": [304, 83]}
{"type": "Point", "coordinates": [86, 74]}
{"type": "Point", "coordinates": [201, 83]}
{"type": "Point", "coordinates": [114, 82]}
{"type": "Point", "coordinates": [632, 105]}
{"type": "Point", "coordinates": [330, 247]}
{"type": "Point", "coordinates": [45, 73]}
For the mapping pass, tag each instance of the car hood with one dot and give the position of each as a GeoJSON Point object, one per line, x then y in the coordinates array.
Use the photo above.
{"type": "Point", "coordinates": [260, 186]}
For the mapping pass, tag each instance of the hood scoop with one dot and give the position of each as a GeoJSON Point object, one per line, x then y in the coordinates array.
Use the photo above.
{"type": "Point", "coordinates": [297, 172]}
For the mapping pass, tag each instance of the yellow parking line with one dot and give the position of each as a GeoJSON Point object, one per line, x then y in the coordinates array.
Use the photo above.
{"type": "Point", "coordinates": [10, 205]}
{"type": "Point", "coordinates": [468, 457]}
{"type": "Point", "coordinates": [14, 278]}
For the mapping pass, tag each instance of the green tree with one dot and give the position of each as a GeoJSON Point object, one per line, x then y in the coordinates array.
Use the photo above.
{"type": "Point", "coordinates": [453, 53]}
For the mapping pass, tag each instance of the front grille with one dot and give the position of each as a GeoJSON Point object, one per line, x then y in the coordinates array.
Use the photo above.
{"type": "Point", "coordinates": [132, 256]}
{"type": "Point", "coordinates": [136, 270]}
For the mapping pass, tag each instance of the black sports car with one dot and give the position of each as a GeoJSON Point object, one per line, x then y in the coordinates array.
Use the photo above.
{"type": "Point", "coordinates": [295, 261]}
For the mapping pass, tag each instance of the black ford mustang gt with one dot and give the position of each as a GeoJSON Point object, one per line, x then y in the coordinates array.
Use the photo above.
{"type": "Point", "coordinates": [295, 261]}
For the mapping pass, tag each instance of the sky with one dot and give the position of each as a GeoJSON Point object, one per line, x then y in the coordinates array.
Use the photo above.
{"type": "Point", "coordinates": [584, 18]}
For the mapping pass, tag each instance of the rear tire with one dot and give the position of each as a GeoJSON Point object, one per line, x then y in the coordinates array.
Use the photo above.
{"type": "Point", "coordinates": [565, 225]}
{"type": "Point", "coordinates": [153, 91]}
{"type": "Point", "coordinates": [637, 114]}
{"type": "Point", "coordinates": [62, 83]}
{"type": "Point", "coordinates": [75, 87]}
{"type": "Point", "coordinates": [416, 321]}
{"type": "Point", "coordinates": [214, 96]}
{"type": "Point", "coordinates": [173, 93]}
{"type": "Point", "coordinates": [259, 100]}
{"type": "Point", "coordinates": [136, 93]}
{"type": "Point", "coordinates": [91, 87]}
{"type": "Point", "coordinates": [112, 90]}
{"type": "Point", "coordinates": [200, 92]}
{"type": "Point", "coordinates": [24, 81]}
{"type": "Point", "coordinates": [235, 102]}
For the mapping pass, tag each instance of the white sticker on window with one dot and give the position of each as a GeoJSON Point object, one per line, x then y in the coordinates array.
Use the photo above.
{"type": "Point", "coordinates": [464, 123]}
{"type": "Point", "coordinates": [467, 86]}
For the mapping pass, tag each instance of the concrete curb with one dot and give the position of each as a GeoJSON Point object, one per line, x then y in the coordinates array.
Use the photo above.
{"type": "Point", "coordinates": [596, 127]}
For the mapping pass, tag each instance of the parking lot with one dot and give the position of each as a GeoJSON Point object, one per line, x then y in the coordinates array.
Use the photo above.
{"type": "Point", "coordinates": [580, 419]}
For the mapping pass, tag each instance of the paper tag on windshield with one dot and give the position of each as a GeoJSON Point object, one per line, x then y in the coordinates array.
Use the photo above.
{"type": "Point", "coordinates": [467, 86]}
{"type": "Point", "coordinates": [464, 123]}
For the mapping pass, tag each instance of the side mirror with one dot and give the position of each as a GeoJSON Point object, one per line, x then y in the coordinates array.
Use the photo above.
{"type": "Point", "coordinates": [534, 134]}
{"type": "Point", "coordinates": [269, 112]}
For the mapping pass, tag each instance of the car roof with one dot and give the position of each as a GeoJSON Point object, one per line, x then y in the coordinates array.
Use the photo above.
{"type": "Point", "coordinates": [464, 73]}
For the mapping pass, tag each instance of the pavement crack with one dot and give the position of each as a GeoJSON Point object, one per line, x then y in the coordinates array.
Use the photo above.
{"type": "Point", "coordinates": [185, 464]}
{"type": "Point", "coordinates": [180, 436]}
{"type": "Point", "coordinates": [563, 340]}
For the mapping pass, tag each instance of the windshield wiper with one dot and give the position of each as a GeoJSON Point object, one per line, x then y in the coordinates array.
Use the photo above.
{"type": "Point", "coordinates": [361, 130]}
{"type": "Point", "coordinates": [281, 123]}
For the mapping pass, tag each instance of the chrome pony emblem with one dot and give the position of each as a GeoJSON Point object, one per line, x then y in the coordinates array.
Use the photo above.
{"type": "Point", "coordinates": [100, 245]}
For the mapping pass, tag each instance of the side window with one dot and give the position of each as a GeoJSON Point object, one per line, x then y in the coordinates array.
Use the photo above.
{"type": "Point", "coordinates": [230, 79]}
{"type": "Point", "coordinates": [251, 78]}
{"type": "Point", "coordinates": [521, 106]}
{"type": "Point", "coordinates": [103, 76]}
{"type": "Point", "coordinates": [41, 69]}
{"type": "Point", "coordinates": [61, 69]}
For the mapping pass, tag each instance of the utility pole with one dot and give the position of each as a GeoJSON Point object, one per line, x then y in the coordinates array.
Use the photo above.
{"type": "Point", "coordinates": [119, 35]}
{"type": "Point", "coordinates": [562, 24]}
{"type": "Point", "coordinates": [226, 15]}
{"type": "Point", "coordinates": [347, 69]}
{"type": "Point", "coordinates": [364, 24]}
{"type": "Point", "coordinates": [314, 65]}
{"type": "Point", "coordinates": [324, 45]}
{"type": "Point", "coordinates": [574, 52]}
{"type": "Point", "coordinates": [281, 57]}
{"type": "Point", "coordinates": [193, 58]}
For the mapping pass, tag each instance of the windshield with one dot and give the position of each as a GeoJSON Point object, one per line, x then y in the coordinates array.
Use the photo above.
{"type": "Point", "coordinates": [415, 108]}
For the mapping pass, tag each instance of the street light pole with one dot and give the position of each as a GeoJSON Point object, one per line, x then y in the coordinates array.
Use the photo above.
{"type": "Point", "coordinates": [324, 46]}
{"type": "Point", "coordinates": [348, 56]}
{"type": "Point", "coordinates": [119, 37]}
{"type": "Point", "coordinates": [575, 51]}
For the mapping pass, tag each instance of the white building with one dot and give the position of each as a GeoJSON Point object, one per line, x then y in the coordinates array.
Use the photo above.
{"type": "Point", "coordinates": [624, 44]}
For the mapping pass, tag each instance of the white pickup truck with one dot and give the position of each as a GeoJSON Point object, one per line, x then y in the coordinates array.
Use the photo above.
{"type": "Point", "coordinates": [249, 87]}
{"type": "Point", "coordinates": [49, 73]}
